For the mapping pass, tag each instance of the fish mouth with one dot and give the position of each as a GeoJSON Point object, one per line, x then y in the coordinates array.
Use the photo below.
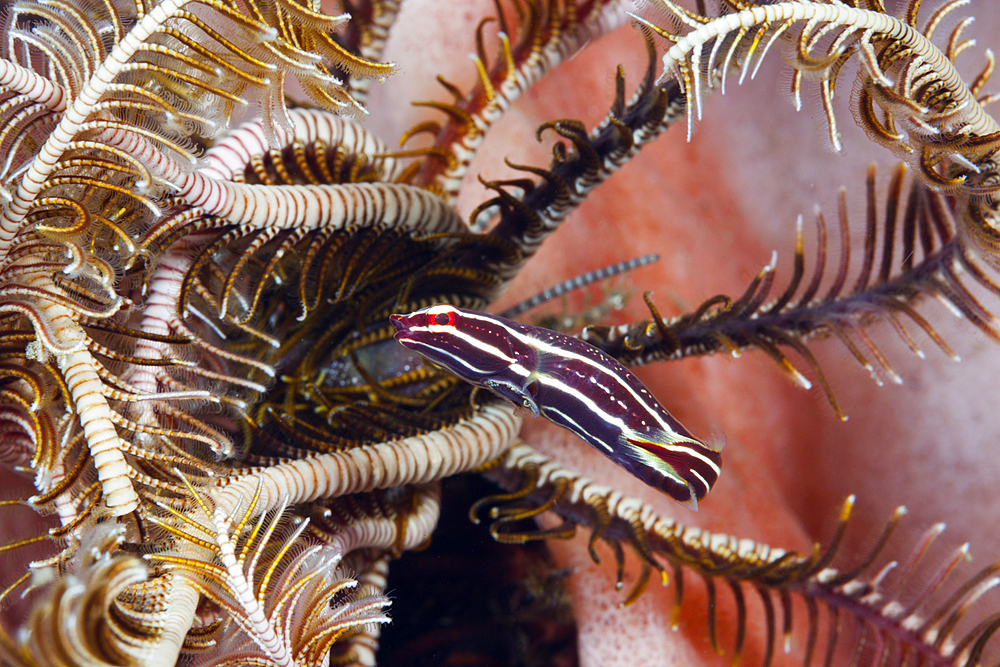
{"type": "Point", "coordinates": [403, 334]}
{"type": "Point", "coordinates": [399, 321]}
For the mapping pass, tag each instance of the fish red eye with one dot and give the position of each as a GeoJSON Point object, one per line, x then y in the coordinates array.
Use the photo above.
{"type": "Point", "coordinates": [442, 319]}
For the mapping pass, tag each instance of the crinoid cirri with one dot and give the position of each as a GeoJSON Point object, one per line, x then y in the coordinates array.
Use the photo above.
{"type": "Point", "coordinates": [216, 453]}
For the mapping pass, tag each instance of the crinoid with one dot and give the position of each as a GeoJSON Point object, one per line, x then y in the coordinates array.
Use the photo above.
{"type": "Point", "coordinates": [216, 450]}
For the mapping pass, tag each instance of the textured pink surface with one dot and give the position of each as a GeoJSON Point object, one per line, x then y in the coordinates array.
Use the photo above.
{"type": "Point", "coordinates": [714, 209]}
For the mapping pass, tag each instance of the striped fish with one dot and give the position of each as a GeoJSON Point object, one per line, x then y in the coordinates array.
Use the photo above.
{"type": "Point", "coordinates": [572, 384]}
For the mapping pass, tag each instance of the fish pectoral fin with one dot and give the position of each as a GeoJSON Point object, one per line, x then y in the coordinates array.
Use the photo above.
{"type": "Point", "coordinates": [716, 442]}
{"type": "Point", "coordinates": [512, 392]}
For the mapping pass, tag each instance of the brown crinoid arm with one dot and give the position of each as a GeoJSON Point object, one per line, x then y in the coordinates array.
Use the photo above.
{"type": "Point", "coordinates": [535, 40]}
{"type": "Point", "coordinates": [529, 210]}
{"type": "Point", "coordinates": [888, 604]}
{"type": "Point", "coordinates": [911, 252]}
{"type": "Point", "coordinates": [365, 37]}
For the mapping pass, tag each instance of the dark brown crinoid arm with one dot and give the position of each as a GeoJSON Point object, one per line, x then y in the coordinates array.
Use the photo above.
{"type": "Point", "coordinates": [911, 252]}
{"type": "Point", "coordinates": [527, 211]}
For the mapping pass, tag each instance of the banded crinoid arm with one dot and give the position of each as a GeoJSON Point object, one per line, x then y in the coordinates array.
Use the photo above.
{"type": "Point", "coordinates": [327, 476]}
{"type": "Point", "coordinates": [420, 459]}
{"type": "Point", "coordinates": [908, 94]}
{"type": "Point", "coordinates": [900, 66]}
{"type": "Point", "coordinates": [311, 205]}
{"type": "Point", "coordinates": [275, 590]}
{"type": "Point", "coordinates": [138, 378]}
{"type": "Point", "coordinates": [146, 73]}
{"type": "Point", "coordinates": [80, 617]}
{"type": "Point", "coordinates": [889, 604]}
{"type": "Point", "coordinates": [238, 149]}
